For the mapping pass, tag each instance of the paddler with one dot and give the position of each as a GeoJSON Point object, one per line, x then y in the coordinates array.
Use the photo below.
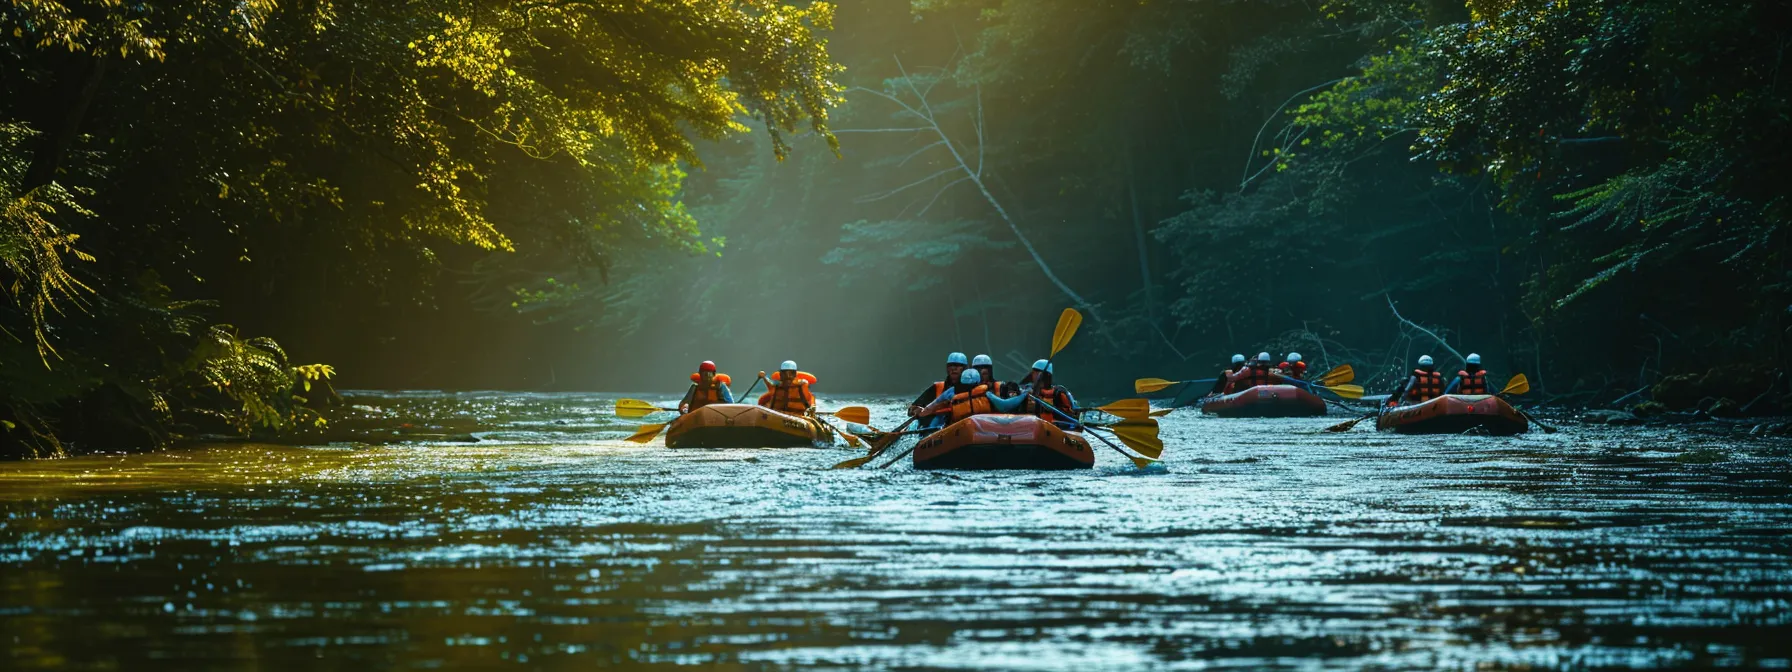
{"type": "Point", "coordinates": [1258, 373]}
{"type": "Point", "coordinates": [986, 369]}
{"type": "Point", "coordinates": [1472, 379]}
{"type": "Point", "coordinates": [789, 391]}
{"type": "Point", "coordinates": [1292, 367]}
{"type": "Point", "coordinates": [1225, 377]}
{"type": "Point", "coordinates": [955, 365]}
{"type": "Point", "coordinates": [970, 397]}
{"type": "Point", "coordinates": [707, 387]}
{"type": "Point", "coordinates": [1044, 389]}
{"type": "Point", "coordinates": [1423, 385]}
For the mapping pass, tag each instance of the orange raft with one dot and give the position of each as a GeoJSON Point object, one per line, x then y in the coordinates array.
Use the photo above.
{"type": "Point", "coordinates": [746, 426]}
{"type": "Point", "coordinates": [1266, 401]}
{"type": "Point", "coordinates": [1004, 442]}
{"type": "Point", "coordinates": [1455, 414]}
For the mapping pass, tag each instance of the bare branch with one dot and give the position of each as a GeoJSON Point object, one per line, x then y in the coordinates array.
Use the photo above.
{"type": "Point", "coordinates": [838, 131]}
{"type": "Point", "coordinates": [918, 152]}
{"type": "Point", "coordinates": [1427, 332]}
{"type": "Point", "coordinates": [936, 195]}
{"type": "Point", "coordinates": [906, 187]}
{"type": "Point", "coordinates": [1252, 156]}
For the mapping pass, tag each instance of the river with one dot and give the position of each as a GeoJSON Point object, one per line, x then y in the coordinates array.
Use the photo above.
{"type": "Point", "coordinates": [549, 544]}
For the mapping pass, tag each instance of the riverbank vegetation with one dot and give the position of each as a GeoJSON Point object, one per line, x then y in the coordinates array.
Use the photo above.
{"type": "Point", "coordinates": [474, 194]}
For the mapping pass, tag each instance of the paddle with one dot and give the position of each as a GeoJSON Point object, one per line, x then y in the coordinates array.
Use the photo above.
{"type": "Point", "coordinates": [1131, 409]}
{"type": "Point", "coordinates": [1519, 384]}
{"type": "Point", "coordinates": [854, 414]}
{"type": "Point", "coordinates": [1345, 391]}
{"type": "Point", "coordinates": [879, 445]}
{"type": "Point", "coordinates": [1160, 412]}
{"type": "Point", "coordinates": [1146, 438]}
{"type": "Point", "coordinates": [635, 408]}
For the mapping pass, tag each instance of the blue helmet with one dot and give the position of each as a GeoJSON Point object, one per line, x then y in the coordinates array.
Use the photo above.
{"type": "Point", "coordinates": [982, 360]}
{"type": "Point", "coordinates": [1043, 365]}
{"type": "Point", "coordinates": [1474, 359]}
{"type": "Point", "coordinates": [970, 377]}
{"type": "Point", "coordinates": [957, 358]}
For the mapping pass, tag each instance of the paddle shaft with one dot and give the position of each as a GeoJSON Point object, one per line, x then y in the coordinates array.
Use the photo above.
{"type": "Point", "coordinates": [1087, 429]}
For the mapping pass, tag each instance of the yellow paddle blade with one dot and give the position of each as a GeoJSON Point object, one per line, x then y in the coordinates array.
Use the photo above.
{"type": "Point", "coordinates": [854, 414]}
{"type": "Point", "coordinates": [856, 462]}
{"type": "Point", "coordinates": [1131, 409]}
{"type": "Point", "coordinates": [1160, 412]}
{"type": "Point", "coordinates": [851, 440]}
{"type": "Point", "coordinates": [1141, 436]}
{"type": "Point", "coordinates": [634, 408]}
{"type": "Point", "coordinates": [1347, 391]}
{"type": "Point", "coordinates": [1338, 376]}
{"type": "Point", "coordinates": [1143, 462]}
{"type": "Point", "coordinates": [1148, 385]}
{"type": "Point", "coordinates": [1518, 385]}
{"type": "Point", "coordinates": [1348, 425]}
{"type": "Point", "coordinates": [1068, 321]}
{"type": "Point", "coordinates": [646, 433]}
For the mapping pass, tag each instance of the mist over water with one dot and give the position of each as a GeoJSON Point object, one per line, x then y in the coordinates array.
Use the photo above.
{"type": "Point", "coordinates": [550, 544]}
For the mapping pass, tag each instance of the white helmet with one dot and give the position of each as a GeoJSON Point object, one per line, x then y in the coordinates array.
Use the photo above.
{"type": "Point", "coordinates": [970, 377]}
{"type": "Point", "coordinates": [1474, 359]}
{"type": "Point", "coordinates": [1293, 357]}
{"type": "Point", "coordinates": [1238, 359]}
{"type": "Point", "coordinates": [1424, 360]}
{"type": "Point", "coordinates": [982, 360]}
{"type": "Point", "coordinates": [957, 358]}
{"type": "Point", "coordinates": [1043, 365]}
{"type": "Point", "coordinates": [788, 365]}
{"type": "Point", "coordinates": [1263, 357]}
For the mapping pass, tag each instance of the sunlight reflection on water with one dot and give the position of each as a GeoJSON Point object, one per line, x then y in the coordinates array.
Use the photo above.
{"type": "Point", "coordinates": [550, 543]}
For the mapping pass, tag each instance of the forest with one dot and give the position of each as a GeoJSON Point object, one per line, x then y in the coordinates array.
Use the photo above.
{"type": "Point", "coordinates": [212, 214]}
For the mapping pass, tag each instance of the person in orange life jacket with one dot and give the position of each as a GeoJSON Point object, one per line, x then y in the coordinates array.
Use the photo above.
{"type": "Point", "coordinates": [970, 397]}
{"type": "Point", "coordinates": [955, 365]}
{"type": "Point", "coordinates": [1472, 379]}
{"type": "Point", "coordinates": [707, 387]}
{"type": "Point", "coordinates": [1258, 373]}
{"type": "Point", "coordinates": [1225, 377]}
{"type": "Point", "coordinates": [789, 392]}
{"type": "Point", "coordinates": [1041, 386]}
{"type": "Point", "coordinates": [986, 369]}
{"type": "Point", "coordinates": [1293, 368]}
{"type": "Point", "coordinates": [1423, 385]}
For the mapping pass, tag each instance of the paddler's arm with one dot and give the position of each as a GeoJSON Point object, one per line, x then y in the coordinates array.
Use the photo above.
{"type": "Point", "coordinates": [1394, 399]}
{"type": "Point", "coordinates": [727, 394]}
{"type": "Point", "coordinates": [922, 401]}
{"type": "Point", "coordinates": [684, 404]}
{"type": "Point", "coordinates": [1454, 383]}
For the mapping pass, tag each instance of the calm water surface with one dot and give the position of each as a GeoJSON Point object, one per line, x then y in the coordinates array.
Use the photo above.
{"type": "Point", "coordinates": [551, 545]}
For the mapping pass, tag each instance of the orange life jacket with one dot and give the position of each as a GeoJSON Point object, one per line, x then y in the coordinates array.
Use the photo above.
{"type": "Point", "coordinates": [1472, 383]}
{"type": "Point", "coordinates": [792, 397]}
{"type": "Point", "coordinates": [1058, 399]}
{"type": "Point", "coordinates": [1296, 370]}
{"type": "Point", "coordinates": [967, 404]}
{"type": "Point", "coordinates": [1253, 376]}
{"type": "Point", "coordinates": [704, 395]}
{"type": "Point", "coordinates": [1426, 385]}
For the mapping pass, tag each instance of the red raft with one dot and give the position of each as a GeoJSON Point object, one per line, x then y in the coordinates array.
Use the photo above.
{"type": "Point", "coordinates": [1266, 401]}
{"type": "Point", "coordinates": [1004, 442]}
{"type": "Point", "coordinates": [1455, 414]}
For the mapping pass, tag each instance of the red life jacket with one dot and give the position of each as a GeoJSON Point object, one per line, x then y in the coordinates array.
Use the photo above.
{"type": "Point", "coordinates": [1058, 398]}
{"type": "Point", "coordinates": [967, 404]}
{"type": "Point", "coordinates": [792, 397]}
{"type": "Point", "coordinates": [1253, 376]}
{"type": "Point", "coordinates": [704, 395]}
{"type": "Point", "coordinates": [1426, 385]}
{"type": "Point", "coordinates": [1472, 383]}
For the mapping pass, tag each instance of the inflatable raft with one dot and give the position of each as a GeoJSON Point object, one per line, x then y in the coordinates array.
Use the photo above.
{"type": "Point", "coordinates": [1266, 401]}
{"type": "Point", "coordinates": [1004, 442]}
{"type": "Point", "coordinates": [1455, 414]}
{"type": "Point", "coordinates": [746, 426]}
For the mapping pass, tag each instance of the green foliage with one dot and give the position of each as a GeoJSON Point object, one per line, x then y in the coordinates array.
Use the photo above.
{"type": "Point", "coordinates": [239, 149]}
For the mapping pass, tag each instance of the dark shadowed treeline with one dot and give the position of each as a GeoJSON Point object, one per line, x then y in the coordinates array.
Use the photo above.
{"type": "Point", "coordinates": [467, 194]}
